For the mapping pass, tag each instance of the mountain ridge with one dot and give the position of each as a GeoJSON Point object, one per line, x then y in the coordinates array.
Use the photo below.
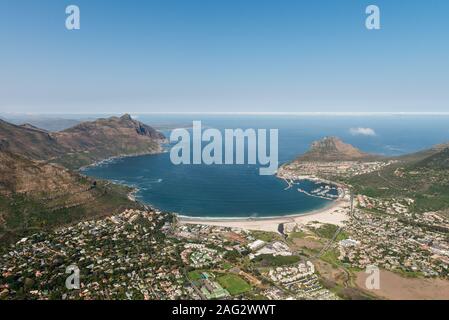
{"type": "Point", "coordinates": [35, 195]}
{"type": "Point", "coordinates": [83, 143]}
{"type": "Point", "coordinates": [38, 188]}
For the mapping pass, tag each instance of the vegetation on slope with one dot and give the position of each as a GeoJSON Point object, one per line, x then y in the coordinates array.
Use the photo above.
{"type": "Point", "coordinates": [35, 196]}
{"type": "Point", "coordinates": [423, 177]}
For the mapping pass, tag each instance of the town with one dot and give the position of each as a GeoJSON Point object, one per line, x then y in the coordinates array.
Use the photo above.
{"type": "Point", "coordinates": [149, 254]}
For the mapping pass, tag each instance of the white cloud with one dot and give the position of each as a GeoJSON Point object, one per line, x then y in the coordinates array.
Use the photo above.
{"type": "Point", "coordinates": [362, 132]}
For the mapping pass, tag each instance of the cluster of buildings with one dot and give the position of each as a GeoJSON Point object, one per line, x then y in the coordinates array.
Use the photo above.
{"type": "Point", "coordinates": [395, 239]}
{"type": "Point", "coordinates": [126, 256]}
{"type": "Point", "coordinates": [208, 288]}
{"type": "Point", "coordinates": [386, 232]}
{"type": "Point", "coordinates": [344, 169]}
{"type": "Point", "coordinates": [300, 281]}
{"type": "Point", "coordinates": [276, 248]}
{"type": "Point", "coordinates": [224, 238]}
{"type": "Point", "coordinates": [149, 255]}
{"type": "Point", "coordinates": [199, 256]}
{"type": "Point", "coordinates": [289, 274]}
{"type": "Point", "coordinates": [390, 206]}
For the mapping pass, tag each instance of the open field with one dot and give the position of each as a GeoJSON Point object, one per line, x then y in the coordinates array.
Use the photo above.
{"type": "Point", "coordinates": [234, 284]}
{"type": "Point", "coordinates": [396, 287]}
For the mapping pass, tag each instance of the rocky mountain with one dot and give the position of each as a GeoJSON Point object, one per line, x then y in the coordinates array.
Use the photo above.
{"type": "Point", "coordinates": [104, 138]}
{"type": "Point", "coordinates": [82, 144]}
{"type": "Point", "coordinates": [48, 123]}
{"type": "Point", "coordinates": [331, 149]}
{"type": "Point", "coordinates": [38, 190]}
{"type": "Point", "coordinates": [30, 142]}
{"type": "Point", "coordinates": [35, 195]}
{"type": "Point", "coordinates": [25, 176]}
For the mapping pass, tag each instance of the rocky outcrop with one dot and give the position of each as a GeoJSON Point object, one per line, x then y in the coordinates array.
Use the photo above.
{"type": "Point", "coordinates": [331, 149]}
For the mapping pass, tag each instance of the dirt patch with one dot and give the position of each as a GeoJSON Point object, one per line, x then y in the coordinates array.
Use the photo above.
{"type": "Point", "coordinates": [232, 236]}
{"type": "Point", "coordinates": [307, 243]}
{"type": "Point", "coordinates": [327, 271]}
{"type": "Point", "coordinates": [396, 287]}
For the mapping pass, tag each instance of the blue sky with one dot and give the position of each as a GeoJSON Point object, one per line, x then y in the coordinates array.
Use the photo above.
{"type": "Point", "coordinates": [224, 56]}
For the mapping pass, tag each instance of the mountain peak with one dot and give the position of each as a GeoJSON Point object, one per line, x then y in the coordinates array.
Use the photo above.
{"type": "Point", "coordinates": [327, 141]}
{"type": "Point", "coordinates": [126, 116]}
{"type": "Point", "coordinates": [333, 149]}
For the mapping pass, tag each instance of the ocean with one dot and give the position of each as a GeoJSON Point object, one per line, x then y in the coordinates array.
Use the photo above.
{"type": "Point", "coordinates": [238, 191]}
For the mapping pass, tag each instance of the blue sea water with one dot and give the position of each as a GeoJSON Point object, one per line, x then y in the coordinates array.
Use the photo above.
{"type": "Point", "coordinates": [225, 191]}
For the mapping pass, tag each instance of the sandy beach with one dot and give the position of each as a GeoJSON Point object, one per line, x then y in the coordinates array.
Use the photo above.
{"type": "Point", "coordinates": [336, 214]}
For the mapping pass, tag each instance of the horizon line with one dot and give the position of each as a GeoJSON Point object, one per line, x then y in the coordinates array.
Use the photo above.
{"type": "Point", "coordinates": [305, 113]}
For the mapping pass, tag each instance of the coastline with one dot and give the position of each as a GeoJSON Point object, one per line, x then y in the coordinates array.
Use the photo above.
{"type": "Point", "coordinates": [132, 195]}
{"type": "Point", "coordinates": [118, 157]}
{"type": "Point", "coordinates": [335, 213]}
